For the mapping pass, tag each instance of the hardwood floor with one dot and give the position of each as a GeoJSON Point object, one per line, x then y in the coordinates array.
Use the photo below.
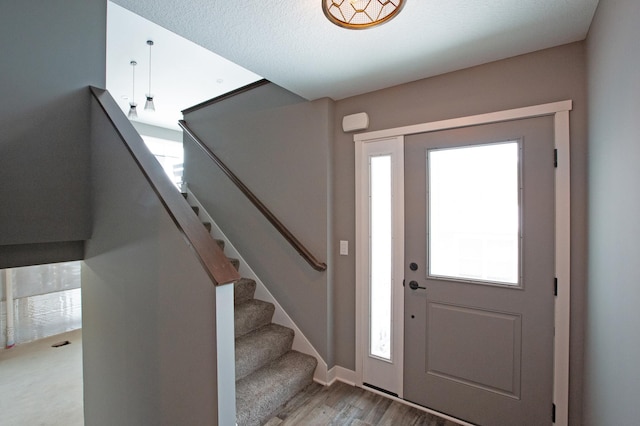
{"type": "Point", "coordinates": [342, 404]}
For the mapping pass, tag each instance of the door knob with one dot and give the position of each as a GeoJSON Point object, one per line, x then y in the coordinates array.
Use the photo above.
{"type": "Point", "coordinates": [414, 285]}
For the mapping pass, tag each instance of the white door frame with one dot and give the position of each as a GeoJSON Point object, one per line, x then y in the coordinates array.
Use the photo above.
{"type": "Point", "coordinates": [560, 113]}
{"type": "Point", "coordinates": [388, 373]}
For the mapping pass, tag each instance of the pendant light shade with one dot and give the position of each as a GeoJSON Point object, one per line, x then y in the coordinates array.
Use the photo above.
{"type": "Point", "coordinates": [133, 112]}
{"type": "Point", "coordinates": [360, 14]}
{"type": "Point", "coordinates": [149, 105]}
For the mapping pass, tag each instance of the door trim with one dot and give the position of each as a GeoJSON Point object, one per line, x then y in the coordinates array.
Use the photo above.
{"type": "Point", "coordinates": [560, 112]}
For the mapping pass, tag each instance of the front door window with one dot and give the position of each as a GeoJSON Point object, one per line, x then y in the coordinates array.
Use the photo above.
{"type": "Point", "coordinates": [474, 223]}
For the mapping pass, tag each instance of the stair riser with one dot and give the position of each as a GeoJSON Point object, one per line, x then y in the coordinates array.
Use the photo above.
{"type": "Point", "coordinates": [268, 372]}
{"type": "Point", "coordinates": [260, 395]}
{"type": "Point", "coordinates": [251, 316]}
{"type": "Point", "coordinates": [235, 263]}
{"type": "Point", "coordinates": [261, 347]}
{"type": "Point", "coordinates": [243, 291]}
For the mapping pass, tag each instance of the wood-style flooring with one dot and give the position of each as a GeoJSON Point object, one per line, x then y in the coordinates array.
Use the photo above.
{"type": "Point", "coordinates": [342, 404]}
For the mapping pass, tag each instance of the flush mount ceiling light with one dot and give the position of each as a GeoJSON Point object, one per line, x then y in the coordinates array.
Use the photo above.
{"type": "Point", "coordinates": [133, 113]}
{"type": "Point", "coordinates": [149, 105]}
{"type": "Point", "coordinates": [360, 14]}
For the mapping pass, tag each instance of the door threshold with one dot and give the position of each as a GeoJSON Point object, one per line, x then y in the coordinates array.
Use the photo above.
{"type": "Point", "coordinates": [393, 397]}
{"type": "Point", "coordinates": [386, 392]}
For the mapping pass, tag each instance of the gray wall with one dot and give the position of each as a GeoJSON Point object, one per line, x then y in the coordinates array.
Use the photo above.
{"type": "Point", "coordinates": [149, 324]}
{"type": "Point", "coordinates": [278, 144]}
{"type": "Point", "coordinates": [51, 51]}
{"type": "Point", "coordinates": [612, 375]}
{"type": "Point", "coordinates": [546, 76]}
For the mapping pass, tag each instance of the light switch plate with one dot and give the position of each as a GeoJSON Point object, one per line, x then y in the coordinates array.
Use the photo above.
{"type": "Point", "coordinates": [344, 248]}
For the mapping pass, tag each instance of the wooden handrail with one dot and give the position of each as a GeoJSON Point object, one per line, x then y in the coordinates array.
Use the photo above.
{"type": "Point", "coordinates": [300, 248]}
{"type": "Point", "coordinates": [210, 255]}
{"type": "Point", "coordinates": [227, 95]}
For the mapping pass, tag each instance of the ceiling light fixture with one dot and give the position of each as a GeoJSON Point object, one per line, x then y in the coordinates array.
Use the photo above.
{"type": "Point", "coordinates": [149, 105]}
{"type": "Point", "coordinates": [360, 14]}
{"type": "Point", "coordinates": [133, 113]}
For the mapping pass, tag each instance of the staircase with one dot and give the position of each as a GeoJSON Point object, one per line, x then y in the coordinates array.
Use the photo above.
{"type": "Point", "coordinates": [268, 372]}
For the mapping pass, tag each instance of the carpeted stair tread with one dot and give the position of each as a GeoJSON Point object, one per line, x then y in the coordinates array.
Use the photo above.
{"type": "Point", "coordinates": [244, 289]}
{"type": "Point", "coordinates": [260, 347]}
{"type": "Point", "coordinates": [251, 315]}
{"type": "Point", "coordinates": [262, 393]}
{"type": "Point", "coordinates": [268, 372]}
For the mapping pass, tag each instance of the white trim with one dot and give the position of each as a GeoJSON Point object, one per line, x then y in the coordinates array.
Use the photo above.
{"type": "Point", "coordinates": [341, 374]}
{"type": "Point", "coordinates": [360, 257]}
{"type": "Point", "coordinates": [300, 342]}
{"type": "Point", "coordinates": [226, 357]}
{"type": "Point", "coordinates": [560, 111]}
{"type": "Point", "coordinates": [384, 374]}
{"type": "Point", "coordinates": [563, 269]}
{"type": "Point", "coordinates": [473, 120]}
{"type": "Point", "coordinates": [398, 266]}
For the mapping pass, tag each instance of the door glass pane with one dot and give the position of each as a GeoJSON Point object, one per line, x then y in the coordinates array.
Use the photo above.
{"type": "Point", "coordinates": [380, 256]}
{"type": "Point", "coordinates": [474, 213]}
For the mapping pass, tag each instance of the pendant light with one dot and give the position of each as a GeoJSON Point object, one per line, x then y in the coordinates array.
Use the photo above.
{"type": "Point", "coordinates": [360, 14]}
{"type": "Point", "coordinates": [149, 105]}
{"type": "Point", "coordinates": [133, 113]}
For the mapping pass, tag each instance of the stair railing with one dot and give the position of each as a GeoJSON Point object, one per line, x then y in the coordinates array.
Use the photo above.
{"type": "Point", "coordinates": [297, 245]}
{"type": "Point", "coordinates": [210, 255]}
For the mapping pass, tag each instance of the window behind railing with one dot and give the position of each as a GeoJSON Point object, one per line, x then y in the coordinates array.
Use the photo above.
{"type": "Point", "coordinates": [169, 154]}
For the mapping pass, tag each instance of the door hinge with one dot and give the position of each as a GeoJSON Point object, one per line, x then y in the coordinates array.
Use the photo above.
{"type": "Point", "coordinates": [553, 413]}
{"type": "Point", "coordinates": [555, 158]}
{"type": "Point", "coordinates": [555, 286]}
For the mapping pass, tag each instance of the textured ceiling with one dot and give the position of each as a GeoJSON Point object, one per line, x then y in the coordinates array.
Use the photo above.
{"type": "Point", "coordinates": [294, 45]}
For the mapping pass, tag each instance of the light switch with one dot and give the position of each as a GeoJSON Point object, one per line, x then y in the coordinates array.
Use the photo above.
{"type": "Point", "coordinates": [344, 248]}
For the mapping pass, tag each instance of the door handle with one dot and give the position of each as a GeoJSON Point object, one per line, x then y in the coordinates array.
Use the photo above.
{"type": "Point", "coordinates": [414, 285]}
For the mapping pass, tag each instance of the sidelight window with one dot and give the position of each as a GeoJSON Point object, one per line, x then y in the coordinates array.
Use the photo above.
{"type": "Point", "coordinates": [380, 232]}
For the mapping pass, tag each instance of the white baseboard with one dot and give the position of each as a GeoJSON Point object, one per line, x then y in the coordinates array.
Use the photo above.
{"type": "Point", "coordinates": [300, 342]}
{"type": "Point", "coordinates": [340, 374]}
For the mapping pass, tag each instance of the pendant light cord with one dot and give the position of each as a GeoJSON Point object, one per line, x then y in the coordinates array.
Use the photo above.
{"type": "Point", "coordinates": [133, 93]}
{"type": "Point", "coordinates": [150, 43]}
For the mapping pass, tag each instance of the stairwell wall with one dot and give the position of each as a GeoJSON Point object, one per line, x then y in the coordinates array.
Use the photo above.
{"type": "Point", "coordinates": [51, 52]}
{"type": "Point", "coordinates": [278, 144]}
{"type": "Point", "coordinates": [149, 316]}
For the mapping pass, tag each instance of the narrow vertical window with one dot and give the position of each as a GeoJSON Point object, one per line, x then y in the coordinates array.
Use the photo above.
{"type": "Point", "coordinates": [474, 213]}
{"type": "Point", "coordinates": [380, 256]}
